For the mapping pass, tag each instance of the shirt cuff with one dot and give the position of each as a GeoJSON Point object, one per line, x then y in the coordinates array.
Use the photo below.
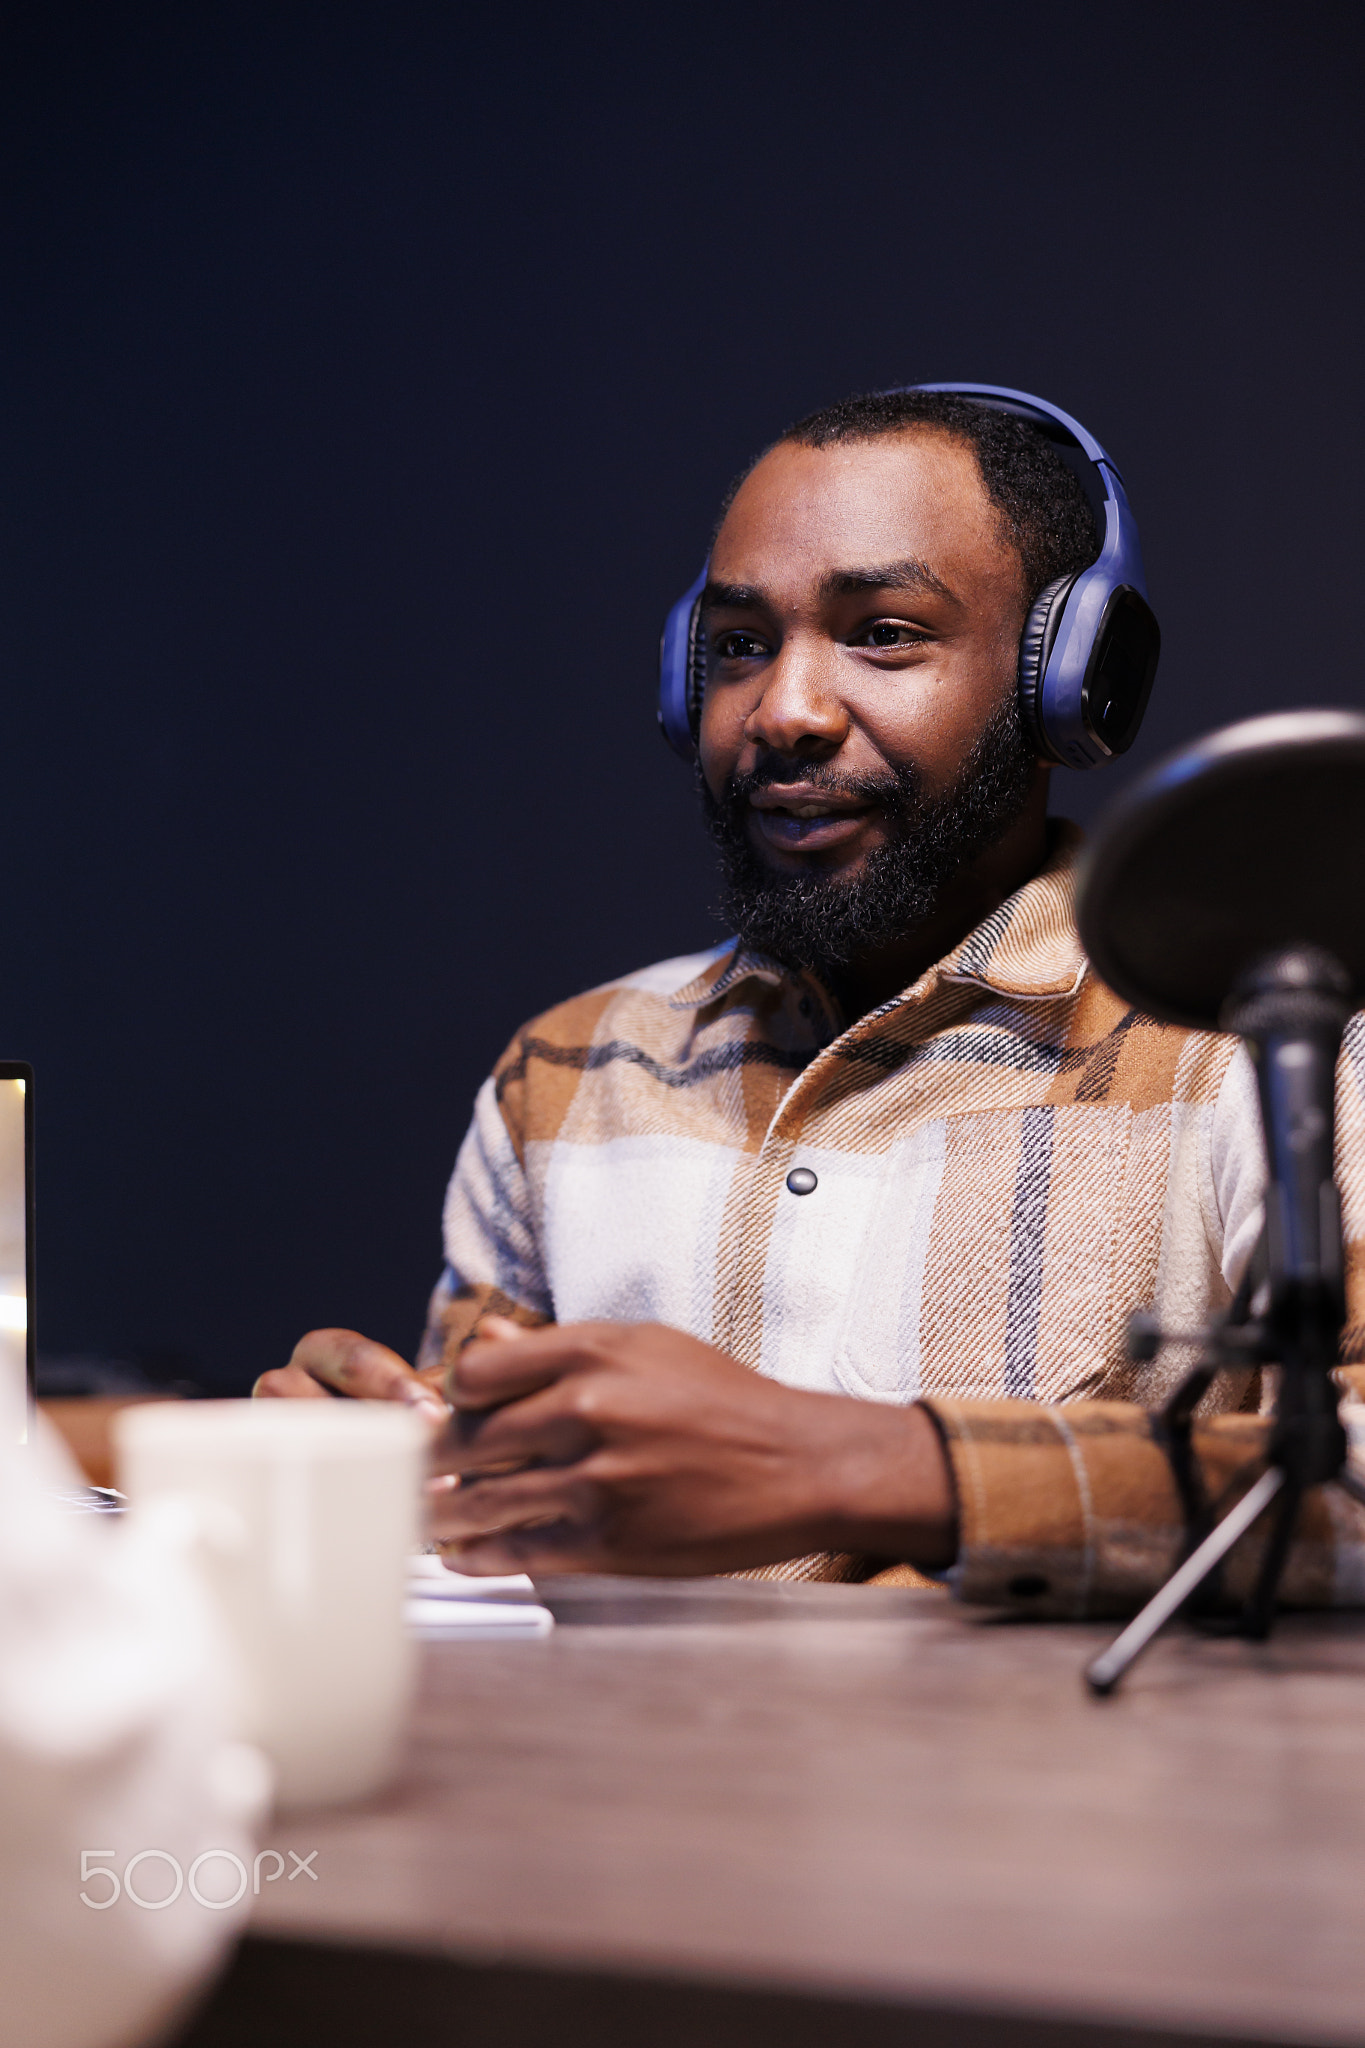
{"type": "Point", "coordinates": [1070, 1511]}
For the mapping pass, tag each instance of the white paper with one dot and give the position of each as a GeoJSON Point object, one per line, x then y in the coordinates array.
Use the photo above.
{"type": "Point", "coordinates": [429, 1579]}
{"type": "Point", "coordinates": [467, 1621]}
{"type": "Point", "coordinates": [455, 1607]}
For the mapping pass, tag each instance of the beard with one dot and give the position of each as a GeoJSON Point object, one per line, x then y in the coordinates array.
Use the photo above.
{"type": "Point", "coordinates": [823, 920]}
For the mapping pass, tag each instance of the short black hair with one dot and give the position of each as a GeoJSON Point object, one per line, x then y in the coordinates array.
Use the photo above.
{"type": "Point", "coordinates": [1040, 500]}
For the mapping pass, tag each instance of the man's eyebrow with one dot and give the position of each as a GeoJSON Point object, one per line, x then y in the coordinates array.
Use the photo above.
{"type": "Point", "coordinates": [910, 575]}
{"type": "Point", "coordinates": [740, 597]}
{"type": "Point", "coordinates": [914, 576]}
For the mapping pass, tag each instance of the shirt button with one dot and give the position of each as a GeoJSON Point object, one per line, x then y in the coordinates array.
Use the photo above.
{"type": "Point", "coordinates": [802, 1181]}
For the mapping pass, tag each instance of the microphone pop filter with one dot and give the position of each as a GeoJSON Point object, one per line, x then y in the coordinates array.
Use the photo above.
{"type": "Point", "coordinates": [1248, 840]}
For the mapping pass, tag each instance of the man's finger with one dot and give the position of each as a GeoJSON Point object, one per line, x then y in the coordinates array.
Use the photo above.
{"type": "Point", "coordinates": [545, 1549]}
{"type": "Point", "coordinates": [515, 1362]}
{"type": "Point", "coordinates": [347, 1363]}
{"type": "Point", "coordinates": [543, 1427]}
{"type": "Point", "coordinates": [354, 1365]}
{"type": "Point", "coordinates": [500, 1328]}
{"type": "Point", "coordinates": [491, 1507]}
{"type": "Point", "coordinates": [288, 1383]}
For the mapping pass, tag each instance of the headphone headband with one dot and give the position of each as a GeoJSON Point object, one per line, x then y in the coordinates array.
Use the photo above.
{"type": "Point", "coordinates": [1090, 645]}
{"type": "Point", "coordinates": [1049, 419]}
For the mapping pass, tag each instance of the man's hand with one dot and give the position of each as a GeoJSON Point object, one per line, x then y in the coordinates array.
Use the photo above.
{"type": "Point", "coordinates": [632, 1448]}
{"type": "Point", "coordinates": [328, 1362]}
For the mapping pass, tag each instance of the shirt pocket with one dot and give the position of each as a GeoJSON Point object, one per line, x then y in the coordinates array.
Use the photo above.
{"type": "Point", "coordinates": [878, 1356]}
{"type": "Point", "coordinates": [986, 1268]}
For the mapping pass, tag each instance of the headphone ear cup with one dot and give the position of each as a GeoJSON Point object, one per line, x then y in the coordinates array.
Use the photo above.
{"type": "Point", "coordinates": [696, 669]}
{"type": "Point", "coordinates": [1035, 645]}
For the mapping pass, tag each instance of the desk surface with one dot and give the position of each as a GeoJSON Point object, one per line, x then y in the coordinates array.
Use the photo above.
{"type": "Point", "coordinates": [851, 1792]}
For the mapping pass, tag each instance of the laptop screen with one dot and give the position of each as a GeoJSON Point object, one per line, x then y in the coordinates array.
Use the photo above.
{"type": "Point", "coordinates": [16, 1248]}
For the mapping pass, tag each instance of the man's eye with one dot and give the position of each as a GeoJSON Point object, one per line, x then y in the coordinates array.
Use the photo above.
{"type": "Point", "coordinates": [887, 634]}
{"type": "Point", "coordinates": [739, 647]}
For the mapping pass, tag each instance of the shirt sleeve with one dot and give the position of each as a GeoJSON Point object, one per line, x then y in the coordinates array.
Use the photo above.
{"type": "Point", "coordinates": [1237, 1168]}
{"type": "Point", "coordinates": [112, 1743]}
{"type": "Point", "coordinates": [1072, 1511]}
{"type": "Point", "coordinates": [493, 1260]}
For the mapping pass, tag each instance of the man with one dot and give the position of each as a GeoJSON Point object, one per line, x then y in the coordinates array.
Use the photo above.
{"type": "Point", "coordinates": [817, 1219]}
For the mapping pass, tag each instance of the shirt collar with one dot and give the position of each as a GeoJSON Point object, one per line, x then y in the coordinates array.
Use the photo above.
{"type": "Point", "coordinates": [1027, 947]}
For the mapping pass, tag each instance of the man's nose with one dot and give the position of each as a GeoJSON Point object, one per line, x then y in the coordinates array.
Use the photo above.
{"type": "Point", "coordinates": [800, 710]}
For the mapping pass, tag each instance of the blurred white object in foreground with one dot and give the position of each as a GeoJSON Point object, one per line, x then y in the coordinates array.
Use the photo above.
{"type": "Point", "coordinates": [113, 1741]}
{"type": "Point", "coordinates": [305, 1512]}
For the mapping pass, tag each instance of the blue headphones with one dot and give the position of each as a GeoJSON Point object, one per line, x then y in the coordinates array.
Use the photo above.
{"type": "Point", "coordinates": [1090, 644]}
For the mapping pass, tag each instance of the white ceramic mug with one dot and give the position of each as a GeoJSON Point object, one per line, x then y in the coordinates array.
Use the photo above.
{"type": "Point", "coordinates": [304, 1514]}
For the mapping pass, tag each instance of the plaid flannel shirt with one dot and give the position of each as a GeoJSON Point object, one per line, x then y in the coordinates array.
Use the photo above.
{"type": "Point", "coordinates": [1007, 1160]}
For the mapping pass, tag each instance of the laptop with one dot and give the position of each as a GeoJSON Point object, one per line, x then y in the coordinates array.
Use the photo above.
{"type": "Point", "coordinates": [17, 1337]}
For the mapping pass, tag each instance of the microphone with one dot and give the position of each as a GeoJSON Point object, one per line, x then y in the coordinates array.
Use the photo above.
{"type": "Point", "coordinates": [1226, 891]}
{"type": "Point", "coordinates": [1292, 1007]}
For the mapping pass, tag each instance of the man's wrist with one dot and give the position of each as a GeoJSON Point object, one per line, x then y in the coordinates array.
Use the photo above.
{"type": "Point", "coordinates": [892, 1492]}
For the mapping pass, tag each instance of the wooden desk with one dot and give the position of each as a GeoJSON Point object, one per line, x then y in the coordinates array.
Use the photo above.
{"type": "Point", "coordinates": [706, 1814]}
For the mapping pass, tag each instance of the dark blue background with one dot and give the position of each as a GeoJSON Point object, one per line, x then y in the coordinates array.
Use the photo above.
{"type": "Point", "coordinates": [370, 377]}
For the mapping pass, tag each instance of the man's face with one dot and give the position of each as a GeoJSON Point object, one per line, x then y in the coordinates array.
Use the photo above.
{"type": "Point", "coordinates": [858, 735]}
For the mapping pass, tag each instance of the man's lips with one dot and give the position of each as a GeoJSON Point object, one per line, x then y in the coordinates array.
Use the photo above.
{"type": "Point", "coordinates": [797, 817]}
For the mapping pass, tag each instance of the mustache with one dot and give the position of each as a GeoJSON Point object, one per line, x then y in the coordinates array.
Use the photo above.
{"type": "Point", "coordinates": [896, 791]}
